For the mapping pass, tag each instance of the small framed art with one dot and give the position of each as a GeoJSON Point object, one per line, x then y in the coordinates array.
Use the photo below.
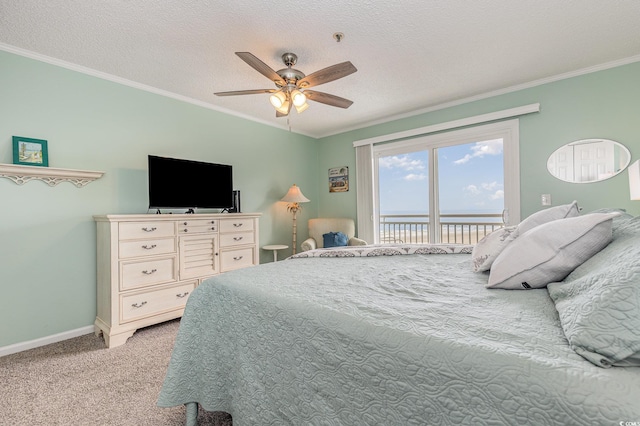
{"type": "Point", "coordinates": [30, 152]}
{"type": "Point", "coordinates": [339, 179]}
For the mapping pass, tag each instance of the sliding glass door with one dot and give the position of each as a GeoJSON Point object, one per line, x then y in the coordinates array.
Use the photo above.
{"type": "Point", "coordinates": [453, 187]}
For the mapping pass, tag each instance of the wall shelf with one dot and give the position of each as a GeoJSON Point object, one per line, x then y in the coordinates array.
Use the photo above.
{"type": "Point", "coordinates": [50, 175]}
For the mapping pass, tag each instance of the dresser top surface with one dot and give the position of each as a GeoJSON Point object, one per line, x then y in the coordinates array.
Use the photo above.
{"type": "Point", "coordinates": [166, 217]}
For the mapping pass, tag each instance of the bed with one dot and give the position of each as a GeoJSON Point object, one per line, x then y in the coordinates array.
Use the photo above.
{"type": "Point", "coordinates": [410, 334]}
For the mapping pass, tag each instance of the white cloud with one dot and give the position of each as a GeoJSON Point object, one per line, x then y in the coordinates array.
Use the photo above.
{"type": "Point", "coordinates": [413, 176]}
{"type": "Point", "coordinates": [473, 190]}
{"type": "Point", "coordinates": [463, 160]}
{"type": "Point", "coordinates": [487, 190]}
{"type": "Point", "coordinates": [498, 195]}
{"type": "Point", "coordinates": [480, 149]}
{"type": "Point", "coordinates": [402, 162]}
{"type": "Point", "coordinates": [490, 186]}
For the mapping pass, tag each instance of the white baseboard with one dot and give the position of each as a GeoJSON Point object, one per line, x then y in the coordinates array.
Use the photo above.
{"type": "Point", "coordinates": [23, 346]}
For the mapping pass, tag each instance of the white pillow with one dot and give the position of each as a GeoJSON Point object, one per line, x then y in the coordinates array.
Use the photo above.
{"type": "Point", "coordinates": [547, 215]}
{"type": "Point", "coordinates": [549, 252]}
{"type": "Point", "coordinates": [487, 249]}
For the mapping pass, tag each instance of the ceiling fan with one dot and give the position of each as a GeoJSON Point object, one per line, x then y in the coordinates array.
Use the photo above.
{"type": "Point", "coordinates": [292, 85]}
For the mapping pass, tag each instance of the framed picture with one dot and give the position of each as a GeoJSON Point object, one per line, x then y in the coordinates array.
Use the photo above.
{"type": "Point", "coordinates": [30, 152]}
{"type": "Point", "coordinates": [339, 179]}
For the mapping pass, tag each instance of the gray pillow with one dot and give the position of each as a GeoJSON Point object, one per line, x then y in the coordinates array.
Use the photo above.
{"type": "Point", "coordinates": [547, 215]}
{"type": "Point", "coordinates": [549, 252]}
{"type": "Point", "coordinates": [486, 251]}
{"type": "Point", "coordinates": [599, 303]}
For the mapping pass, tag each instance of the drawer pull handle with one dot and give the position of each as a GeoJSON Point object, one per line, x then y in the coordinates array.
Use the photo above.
{"type": "Point", "coordinates": [213, 222]}
{"type": "Point", "coordinates": [181, 295]}
{"type": "Point", "coordinates": [149, 272]}
{"type": "Point", "coordinates": [237, 225]}
{"type": "Point", "coordinates": [237, 238]}
{"type": "Point", "coordinates": [238, 257]}
{"type": "Point", "coordinates": [185, 224]}
{"type": "Point", "coordinates": [186, 230]}
{"type": "Point", "coordinates": [146, 247]}
{"type": "Point", "coordinates": [145, 229]}
{"type": "Point", "coordinates": [139, 305]}
{"type": "Point", "coordinates": [213, 228]}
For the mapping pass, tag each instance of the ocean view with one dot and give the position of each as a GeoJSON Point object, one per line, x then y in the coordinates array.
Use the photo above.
{"type": "Point", "coordinates": [455, 227]}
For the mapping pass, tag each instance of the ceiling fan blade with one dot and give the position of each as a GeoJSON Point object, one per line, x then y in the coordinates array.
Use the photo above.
{"type": "Point", "coordinates": [245, 92]}
{"type": "Point", "coordinates": [328, 74]}
{"type": "Point", "coordinates": [328, 99]}
{"type": "Point", "coordinates": [261, 67]}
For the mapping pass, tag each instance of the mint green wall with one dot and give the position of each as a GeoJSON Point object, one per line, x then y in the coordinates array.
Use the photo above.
{"type": "Point", "coordinates": [604, 104]}
{"type": "Point", "coordinates": [47, 234]}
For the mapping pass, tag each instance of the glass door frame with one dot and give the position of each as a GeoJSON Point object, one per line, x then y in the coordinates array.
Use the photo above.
{"type": "Point", "coordinates": [507, 130]}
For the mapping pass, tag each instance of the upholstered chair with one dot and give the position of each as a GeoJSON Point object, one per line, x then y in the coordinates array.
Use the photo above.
{"type": "Point", "coordinates": [320, 226]}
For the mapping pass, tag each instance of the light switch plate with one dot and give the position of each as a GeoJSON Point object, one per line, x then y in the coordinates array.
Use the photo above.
{"type": "Point", "coordinates": [546, 199]}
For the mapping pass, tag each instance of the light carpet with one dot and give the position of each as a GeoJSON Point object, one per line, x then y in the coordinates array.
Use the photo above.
{"type": "Point", "coordinates": [81, 382]}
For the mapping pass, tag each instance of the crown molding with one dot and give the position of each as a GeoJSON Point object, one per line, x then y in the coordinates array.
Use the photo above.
{"type": "Point", "coordinates": [105, 76]}
{"type": "Point", "coordinates": [130, 83]}
{"type": "Point", "coordinates": [510, 89]}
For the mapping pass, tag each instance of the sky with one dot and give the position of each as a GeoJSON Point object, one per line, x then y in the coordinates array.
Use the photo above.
{"type": "Point", "coordinates": [471, 179]}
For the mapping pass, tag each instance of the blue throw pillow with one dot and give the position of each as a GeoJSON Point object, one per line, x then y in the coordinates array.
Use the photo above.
{"type": "Point", "coordinates": [334, 239]}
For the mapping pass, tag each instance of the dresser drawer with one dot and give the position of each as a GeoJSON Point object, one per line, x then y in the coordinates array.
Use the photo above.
{"type": "Point", "coordinates": [197, 226]}
{"type": "Point", "coordinates": [148, 272]}
{"type": "Point", "coordinates": [153, 302]}
{"type": "Point", "coordinates": [235, 259]}
{"type": "Point", "coordinates": [235, 225]}
{"type": "Point", "coordinates": [137, 230]}
{"type": "Point", "coordinates": [236, 239]}
{"type": "Point", "coordinates": [139, 248]}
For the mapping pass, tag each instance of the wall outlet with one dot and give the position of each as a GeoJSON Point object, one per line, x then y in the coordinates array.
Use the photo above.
{"type": "Point", "coordinates": [546, 199]}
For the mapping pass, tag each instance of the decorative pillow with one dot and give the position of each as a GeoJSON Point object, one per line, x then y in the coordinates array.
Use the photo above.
{"type": "Point", "coordinates": [599, 306]}
{"type": "Point", "coordinates": [487, 250]}
{"type": "Point", "coordinates": [334, 239]}
{"type": "Point", "coordinates": [490, 247]}
{"type": "Point", "coordinates": [548, 215]}
{"type": "Point", "coordinates": [549, 252]}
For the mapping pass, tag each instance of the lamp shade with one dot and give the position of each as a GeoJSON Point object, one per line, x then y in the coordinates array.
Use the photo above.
{"type": "Point", "coordinates": [278, 99]}
{"type": "Point", "coordinates": [298, 98]}
{"type": "Point", "coordinates": [302, 107]}
{"type": "Point", "coordinates": [284, 108]}
{"type": "Point", "coordinates": [634, 180]}
{"type": "Point", "coordinates": [294, 195]}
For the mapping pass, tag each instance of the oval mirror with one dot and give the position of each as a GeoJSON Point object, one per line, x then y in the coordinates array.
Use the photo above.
{"type": "Point", "coordinates": [588, 160]}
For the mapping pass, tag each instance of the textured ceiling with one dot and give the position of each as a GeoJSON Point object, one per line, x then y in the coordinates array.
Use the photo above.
{"type": "Point", "coordinates": [411, 55]}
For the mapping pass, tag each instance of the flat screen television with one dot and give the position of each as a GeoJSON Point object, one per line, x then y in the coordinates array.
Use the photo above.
{"type": "Point", "coordinates": [176, 183]}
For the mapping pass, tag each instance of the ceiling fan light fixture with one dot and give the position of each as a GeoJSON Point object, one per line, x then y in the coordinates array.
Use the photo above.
{"type": "Point", "coordinates": [278, 99]}
{"type": "Point", "coordinates": [298, 98]}
{"type": "Point", "coordinates": [301, 108]}
{"type": "Point", "coordinates": [284, 108]}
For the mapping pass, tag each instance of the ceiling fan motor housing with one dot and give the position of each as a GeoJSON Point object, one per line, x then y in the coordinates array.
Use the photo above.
{"type": "Point", "coordinates": [290, 75]}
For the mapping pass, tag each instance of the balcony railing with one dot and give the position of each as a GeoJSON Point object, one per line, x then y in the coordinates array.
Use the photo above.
{"type": "Point", "coordinates": [454, 228]}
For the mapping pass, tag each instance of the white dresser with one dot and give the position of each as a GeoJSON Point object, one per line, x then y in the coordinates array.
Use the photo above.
{"type": "Point", "coordinates": [149, 264]}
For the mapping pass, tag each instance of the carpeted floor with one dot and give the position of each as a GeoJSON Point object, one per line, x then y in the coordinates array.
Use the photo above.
{"type": "Point", "coordinates": [81, 382]}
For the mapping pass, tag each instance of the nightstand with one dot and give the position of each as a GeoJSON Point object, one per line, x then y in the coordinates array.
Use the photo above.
{"type": "Point", "coordinates": [275, 248]}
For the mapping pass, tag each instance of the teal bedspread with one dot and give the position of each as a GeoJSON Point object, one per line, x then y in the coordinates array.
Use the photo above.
{"type": "Point", "coordinates": [388, 340]}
